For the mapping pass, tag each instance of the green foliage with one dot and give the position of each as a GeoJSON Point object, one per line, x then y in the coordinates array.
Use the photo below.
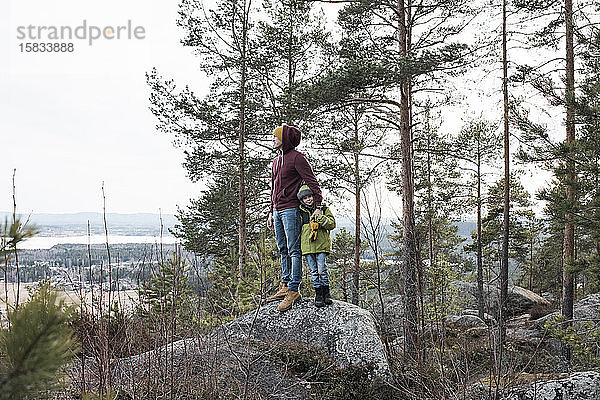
{"type": "Point", "coordinates": [292, 43]}
{"type": "Point", "coordinates": [341, 263]}
{"type": "Point", "coordinates": [13, 233]}
{"type": "Point", "coordinates": [367, 56]}
{"type": "Point", "coordinates": [37, 345]}
{"type": "Point", "coordinates": [168, 294]}
{"type": "Point", "coordinates": [521, 219]}
{"type": "Point", "coordinates": [546, 270]}
{"type": "Point", "coordinates": [584, 340]}
{"type": "Point", "coordinates": [260, 275]}
{"type": "Point", "coordinates": [441, 296]}
{"type": "Point", "coordinates": [207, 226]}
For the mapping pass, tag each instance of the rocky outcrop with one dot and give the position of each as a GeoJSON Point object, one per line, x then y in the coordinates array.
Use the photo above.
{"type": "Point", "coordinates": [489, 319]}
{"type": "Point", "coordinates": [211, 367]}
{"type": "Point", "coordinates": [389, 317]}
{"type": "Point", "coordinates": [520, 300]}
{"type": "Point", "coordinates": [464, 322]}
{"type": "Point", "coordinates": [578, 386]}
{"type": "Point", "coordinates": [342, 331]}
{"type": "Point", "coordinates": [585, 311]}
{"type": "Point", "coordinates": [264, 352]}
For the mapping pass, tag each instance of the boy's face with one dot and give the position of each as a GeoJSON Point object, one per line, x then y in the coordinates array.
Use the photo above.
{"type": "Point", "coordinates": [308, 200]}
{"type": "Point", "coordinates": [276, 142]}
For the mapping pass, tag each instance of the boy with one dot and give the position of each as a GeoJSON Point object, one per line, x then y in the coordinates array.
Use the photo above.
{"type": "Point", "coordinates": [315, 243]}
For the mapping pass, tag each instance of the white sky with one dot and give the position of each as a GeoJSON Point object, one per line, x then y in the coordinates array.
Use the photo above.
{"type": "Point", "coordinates": [69, 121]}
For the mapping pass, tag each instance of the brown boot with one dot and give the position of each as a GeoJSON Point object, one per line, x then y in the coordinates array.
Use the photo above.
{"type": "Point", "coordinates": [290, 298]}
{"type": "Point", "coordinates": [283, 290]}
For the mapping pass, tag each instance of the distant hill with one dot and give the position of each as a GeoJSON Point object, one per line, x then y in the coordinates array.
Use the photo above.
{"type": "Point", "coordinates": [74, 224]}
{"type": "Point", "coordinates": [464, 229]}
{"type": "Point", "coordinates": [70, 224]}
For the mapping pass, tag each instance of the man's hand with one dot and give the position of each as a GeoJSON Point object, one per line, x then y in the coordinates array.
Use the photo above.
{"type": "Point", "coordinates": [318, 211]}
{"type": "Point", "coordinates": [270, 224]}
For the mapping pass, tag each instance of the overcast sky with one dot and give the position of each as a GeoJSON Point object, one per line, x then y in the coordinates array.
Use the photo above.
{"type": "Point", "coordinates": [69, 121]}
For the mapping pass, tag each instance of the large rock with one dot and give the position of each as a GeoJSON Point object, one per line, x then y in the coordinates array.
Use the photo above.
{"type": "Point", "coordinates": [578, 386]}
{"type": "Point", "coordinates": [389, 318]}
{"type": "Point", "coordinates": [520, 300]}
{"type": "Point", "coordinates": [342, 331]}
{"type": "Point", "coordinates": [585, 311]}
{"type": "Point", "coordinates": [211, 367]}
{"type": "Point", "coordinates": [464, 322]}
{"type": "Point", "coordinates": [259, 353]}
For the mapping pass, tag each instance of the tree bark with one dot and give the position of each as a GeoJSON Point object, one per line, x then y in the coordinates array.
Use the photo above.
{"type": "Point", "coordinates": [504, 263]}
{"type": "Point", "coordinates": [480, 303]}
{"type": "Point", "coordinates": [569, 238]}
{"type": "Point", "coordinates": [409, 241]}
{"type": "Point", "coordinates": [243, 233]}
{"type": "Point", "coordinates": [357, 187]}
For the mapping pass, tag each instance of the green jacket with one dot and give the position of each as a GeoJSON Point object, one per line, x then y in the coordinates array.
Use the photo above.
{"type": "Point", "coordinates": [326, 223]}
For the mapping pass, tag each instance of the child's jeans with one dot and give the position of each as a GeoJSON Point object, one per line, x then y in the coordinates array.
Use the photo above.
{"type": "Point", "coordinates": [318, 269]}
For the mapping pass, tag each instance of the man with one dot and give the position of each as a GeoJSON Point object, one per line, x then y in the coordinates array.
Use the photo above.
{"type": "Point", "coordinates": [289, 170]}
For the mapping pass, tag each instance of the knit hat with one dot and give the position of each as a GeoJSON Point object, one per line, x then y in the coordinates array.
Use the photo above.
{"type": "Point", "coordinates": [304, 191]}
{"type": "Point", "coordinates": [278, 132]}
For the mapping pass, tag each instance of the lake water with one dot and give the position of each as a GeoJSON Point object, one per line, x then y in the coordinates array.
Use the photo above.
{"type": "Point", "coordinates": [41, 242]}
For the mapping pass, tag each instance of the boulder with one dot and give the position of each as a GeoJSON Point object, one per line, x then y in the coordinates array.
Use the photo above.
{"type": "Point", "coordinates": [524, 336]}
{"type": "Point", "coordinates": [520, 300]}
{"type": "Point", "coordinates": [342, 331]}
{"type": "Point", "coordinates": [464, 322]}
{"type": "Point", "coordinates": [585, 311]}
{"type": "Point", "coordinates": [489, 319]}
{"type": "Point", "coordinates": [578, 386]}
{"type": "Point", "coordinates": [264, 352]}
{"type": "Point", "coordinates": [209, 366]}
{"type": "Point", "coordinates": [389, 323]}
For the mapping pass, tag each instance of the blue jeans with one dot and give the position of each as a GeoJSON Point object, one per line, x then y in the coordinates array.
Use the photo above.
{"type": "Point", "coordinates": [287, 235]}
{"type": "Point", "coordinates": [318, 269]}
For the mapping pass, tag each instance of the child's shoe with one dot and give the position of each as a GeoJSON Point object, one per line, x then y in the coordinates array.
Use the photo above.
{"type": "Point", "coordinates": [319, 297]}
{"type": "Point", "coordinates": [326, 295]}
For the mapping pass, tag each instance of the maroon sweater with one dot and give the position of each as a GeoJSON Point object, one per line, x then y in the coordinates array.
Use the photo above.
{"type": "Point", "coordinates": [290, 168]}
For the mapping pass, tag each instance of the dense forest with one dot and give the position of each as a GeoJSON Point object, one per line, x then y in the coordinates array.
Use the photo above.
{"type": "Point", "coordinates": [457, 108]}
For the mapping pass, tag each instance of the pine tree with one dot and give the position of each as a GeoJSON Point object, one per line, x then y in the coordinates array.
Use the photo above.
{"type": "Point", "coordinates": [382, 55]}
{"type": "Point", "coordinates": [168, 294]}
{"type": "Point", "coordinates": [222, 132]}
{"type": "Point", "coordinates": [37, 345]}
{"type": "Point", "coordinates": [292, 42]}
{"type": "Point", "coordinates": [342, 253]}
{"type": "Point", "coordinates": [492, 235]}
{"type": "Point", "coordinates": [348, 148]}
{"type": "Point", "coordinates": [477, 147]}
{"type": "Point", "coordinates": [562, 23]}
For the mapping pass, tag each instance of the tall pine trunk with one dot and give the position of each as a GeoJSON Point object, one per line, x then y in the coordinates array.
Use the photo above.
{"type": "Point", "coordinates": [357, 187]}
{"type": "Point", "coordinates": [409, 240]}
{"type": "Point", "coordinates": [243, 232]}
{"type": "Point", "coordinates": [480, 303]}
{"type": "Point", "coordinates": [504, 262]}
{"type": "Point", "coordinates": [569, 241]}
